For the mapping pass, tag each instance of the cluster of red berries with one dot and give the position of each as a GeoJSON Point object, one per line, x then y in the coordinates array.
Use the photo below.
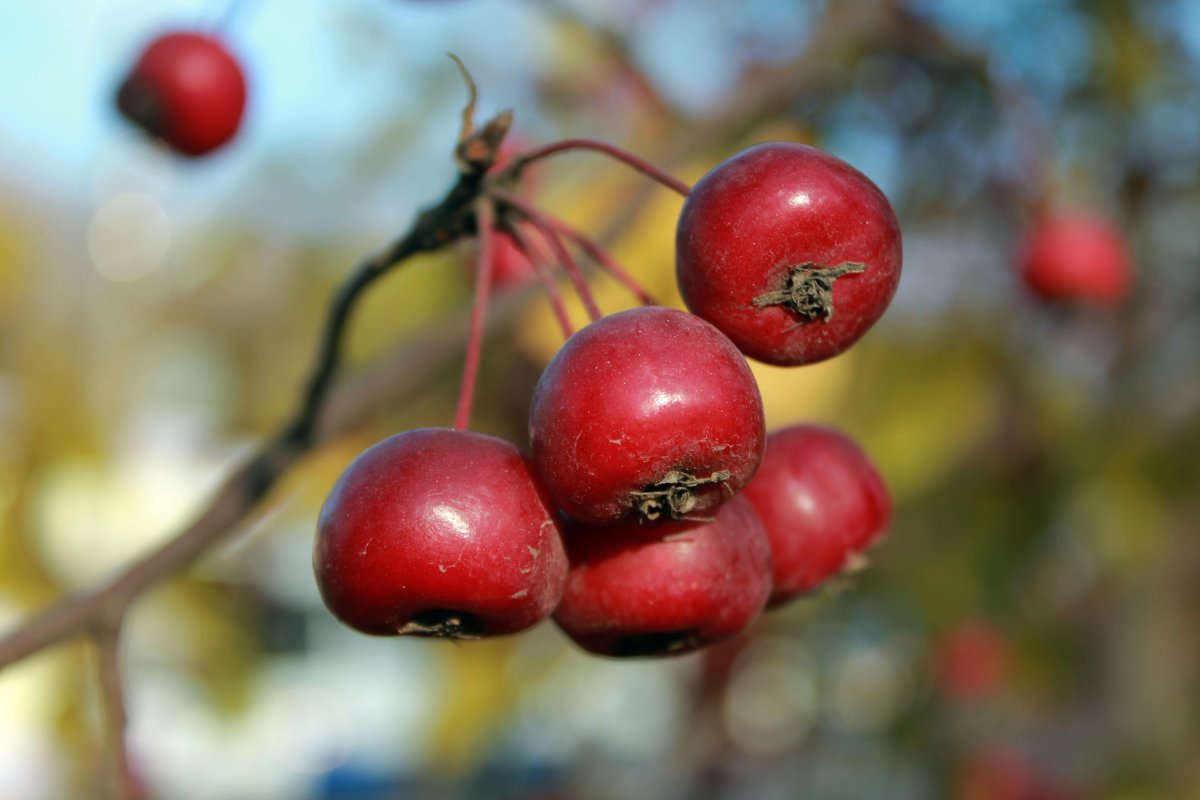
{"type": "Point", "coordinates": [653, 514]}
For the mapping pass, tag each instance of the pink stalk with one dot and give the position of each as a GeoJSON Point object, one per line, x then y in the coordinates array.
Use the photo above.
{"type": "Point", "coordinates": [547, 281]}
{"type": "Point", "coordinates": [594, 250]}
{"type": "Point", "coordinates": [569, 264]}
{"type": "Point", "coordinates": [484, 219]}
{"type": "Point", "coordinates": [612, 151]}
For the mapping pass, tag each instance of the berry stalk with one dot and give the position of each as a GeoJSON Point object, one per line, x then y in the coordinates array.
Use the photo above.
{"type": "Point", "coordinates": [570, 265]}
{"type": "Point", "coordinates": [593, 249]}
{"type": "Point", "coordinates": [485, 218]}
{"type": "Point", "coordinates": [616, 153]}
{"type": "Point", "coordinates": [553, 295]}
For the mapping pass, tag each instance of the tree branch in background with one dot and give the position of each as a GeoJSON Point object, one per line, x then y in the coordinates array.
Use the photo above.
{"type": "Point", "coordinates": [122, 779]}
{"type": "Point", "coordinates": [443, 223]}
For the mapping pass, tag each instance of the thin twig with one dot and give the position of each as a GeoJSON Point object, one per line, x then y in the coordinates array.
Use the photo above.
{"type": "Point", "coordinates": [619, 52]}
{"type": "Point", "coordinates": [849, 28]}
{"type": "Point", "coordinates": [435, 227]}
{"type": "Point", "coordinates": [467, 125]}
{"type": "Point", "coordinates": [122, 782]}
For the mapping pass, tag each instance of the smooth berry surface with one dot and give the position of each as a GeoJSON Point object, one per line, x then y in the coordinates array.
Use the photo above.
{"type": "Point", "coordinates": [1076, 256]}
{"type": "Point", "coordinates": [186, 89]}
{"type": "Point", "coordinates": [790, 251]}
{"type": "Point", "coordinates": [637, 590]}
{"type": "Point", "coordinates": [821, 500]}
{"type": "Point", "coordinates": [649, 413]}
{"type": "Point", "coordinates": [439, 532]}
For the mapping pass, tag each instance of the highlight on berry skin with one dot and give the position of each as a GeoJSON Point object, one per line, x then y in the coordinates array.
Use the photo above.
{"type": "Point", "coordinates": [187, 90]}
{"type": "Point", "coordinates": [648, 414]}
{"type": "Point", "coordinates": [440, 533]}
{"type": "Point", "coordinates": [823, 503]}
{"type": "Point", "coordinates": [670, 519]}
{"type": "Point", "coordinates": [826, 260]}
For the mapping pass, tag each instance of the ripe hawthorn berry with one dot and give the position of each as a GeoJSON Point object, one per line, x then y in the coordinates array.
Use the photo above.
{"type": "Point", "coordinates": [637, 590]}
{"type": "Point", "coordinates": [821, 501]}
{"type": "Point", "coordinates": [438, 532]}
{"type": "Point", "coordinates": [510, 266]}
{"type": "Point", "coordinates": [1075, 256]}
{"type": "Point", "coordinates": [791, 252]}
{"type": "Point", "coordinates": [186, 89]}
{"type": "Point", "coordinates": [650, 413]}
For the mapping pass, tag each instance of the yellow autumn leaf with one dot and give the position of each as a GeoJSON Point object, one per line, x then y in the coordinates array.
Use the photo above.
{"type": "Point", "coordinates": [918, 430]}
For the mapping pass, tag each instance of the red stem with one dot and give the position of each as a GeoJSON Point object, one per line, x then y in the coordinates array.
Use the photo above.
{"type": "Point", "coordinates": [569, 264]}
{"type": "Point", "coordinates": [612, 151]}
{"type": "Point", "coordinates": [589, 246]}
{"type": "Point", "coordinates": [484, 219]}
{"type": "Point", "coordinates": [547, 280]}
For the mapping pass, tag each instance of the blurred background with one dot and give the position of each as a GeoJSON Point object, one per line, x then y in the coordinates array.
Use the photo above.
{"type": "Point", "coordinates": [1029, 630]}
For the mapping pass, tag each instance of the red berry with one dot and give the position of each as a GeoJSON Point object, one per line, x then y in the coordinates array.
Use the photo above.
{"type": "Point", "coordinates": [186, 89]}
{"type": "Point", "coordinates": [649, 413]}
{"type": "Point", "coordinates": [821, 501]}
{"type": "Point", "coordinates": [439, 532]}
{"type": "Point", "coordinates": [510, 266]}
{"type": "Point", "coordinates": [790, 251]}
{"type": "Point", "coordinates": [1001, 773]}
{"type": "Point", "coordinates": [1076, 257]}
{"type": "Point", "coordinates": [971, 661]}
{"type": "Point", "coordinates": [668, 589]}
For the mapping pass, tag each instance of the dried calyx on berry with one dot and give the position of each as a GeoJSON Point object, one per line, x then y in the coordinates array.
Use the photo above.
{"type": "Point", "coordinates": [825, 261]}
{"type": "Point", "coordinates": [187, 90]}
{"type": "Point", "coordinates": [647, 414]}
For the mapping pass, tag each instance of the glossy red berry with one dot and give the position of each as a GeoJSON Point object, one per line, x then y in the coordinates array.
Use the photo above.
{"type": "Point", "coordinates": [186, 89]}
{"type": "Point", "coordinates": [439, 532]}
{"type": "Point", "coordinates": [650, 413]}
{"type": "Point", "coordinates": [637, 590]}
{"type": "Point", "coordinates": [793, 253]}
{"type": "Point", "coordinates": [821, 501]}
{"type": "Point", "coordinates": [1074, 256]}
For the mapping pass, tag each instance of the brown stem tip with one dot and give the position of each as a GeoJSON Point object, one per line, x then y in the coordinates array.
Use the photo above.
{"type": "Point", "coordinates": [441, 624]}
{"type": "Point", "coordinates": [667, 643]}
{"type": "Point", "coordinates": [674, 495]}
{"type": "Point", "coordinates": [808, 290]}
